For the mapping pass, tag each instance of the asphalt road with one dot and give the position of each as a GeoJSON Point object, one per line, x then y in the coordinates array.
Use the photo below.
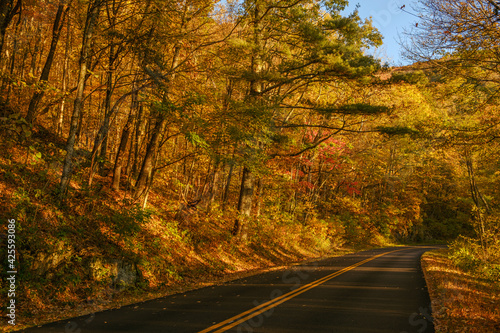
{"type": "Point", "coordinates": [377, 291]}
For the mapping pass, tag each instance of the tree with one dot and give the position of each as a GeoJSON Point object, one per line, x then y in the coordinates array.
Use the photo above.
{"type": "Point", "coordinates": [92, 17]}
{"type": "Point", "coordinates": [8, 10]}
{"type": "Point", "coordinates": [284, 47]}
{"type": "Point", "coordinates": [457, 35]}
{"type": "Point", "coordinates": [174, 37]}
{"type": "Point", "coordinates": [62, 12]}
{"type": "Point", "coordinates": [117, 43]}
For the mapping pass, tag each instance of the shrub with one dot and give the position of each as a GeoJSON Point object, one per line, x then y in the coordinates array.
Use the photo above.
{"type": "Point", "coordinates": [128, 221]}
{"type": "Point", "coordinates": [468, 254]}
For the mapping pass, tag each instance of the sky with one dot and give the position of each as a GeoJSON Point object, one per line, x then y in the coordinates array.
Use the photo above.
{"type": "Point", "coordinates": [391, 21]}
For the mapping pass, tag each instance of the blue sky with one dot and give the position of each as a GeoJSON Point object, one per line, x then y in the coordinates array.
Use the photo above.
{"type": "Point", "coordinates": [390, 21]}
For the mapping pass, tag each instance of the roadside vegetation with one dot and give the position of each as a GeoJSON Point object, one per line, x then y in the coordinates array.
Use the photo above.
{"type": "Point", "coordinates": [464, 299]}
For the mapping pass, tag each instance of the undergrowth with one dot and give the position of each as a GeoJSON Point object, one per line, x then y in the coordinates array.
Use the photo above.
{"type": "Point", "coordinates": [481, 260]}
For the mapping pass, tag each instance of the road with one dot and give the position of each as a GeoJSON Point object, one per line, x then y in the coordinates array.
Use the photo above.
{"type": "Point", "coordinates": [379, 291]}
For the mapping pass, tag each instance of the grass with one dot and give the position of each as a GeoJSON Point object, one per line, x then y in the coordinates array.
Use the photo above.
{"type": "Point", "coordinates": [461, 301]}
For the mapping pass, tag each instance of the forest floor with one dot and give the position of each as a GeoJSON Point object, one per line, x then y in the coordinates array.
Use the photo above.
{"type": "Point", "coordinates": [461, 302]}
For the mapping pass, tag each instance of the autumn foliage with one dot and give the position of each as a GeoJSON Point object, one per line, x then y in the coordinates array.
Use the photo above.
{"type": "Point", "coordinates": [193, 137]}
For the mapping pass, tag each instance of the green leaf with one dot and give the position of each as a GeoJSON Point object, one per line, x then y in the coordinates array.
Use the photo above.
{"type": "Point", "coordinates": [396, 130]}
{"type": "Point", "coordinates": [196, 140]}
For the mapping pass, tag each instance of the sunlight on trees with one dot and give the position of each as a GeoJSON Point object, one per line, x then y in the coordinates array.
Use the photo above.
{"type": "Point", "coordinates": [249, 121]}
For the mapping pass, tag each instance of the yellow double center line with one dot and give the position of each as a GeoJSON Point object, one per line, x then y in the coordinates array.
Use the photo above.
{"type": "Point", "coordinates": [242, 317]}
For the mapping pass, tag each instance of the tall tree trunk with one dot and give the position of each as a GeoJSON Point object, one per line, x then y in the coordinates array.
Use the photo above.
{"type": "Point", "coordinates": [225, 197]}
{"type": "Point", "coordinates": [112, 10]}
{"type": "Point", "coordinates": [7, 12]}
{"type": "Point", "coordinates": [103, 144]}
{"type": "Point", "coordinates": [78, 134]}
{"type": "Point", "coordinates": [149, 159]}
{"type": "Point", "coordinates": [60, 115]}
{"type": "Point", "coordinates": [90, 23]}
{"type": "Point", "coordinates": [254, 96]}
{"type": "Point", "coordinates": [214, 186]}
{"type": "Point", "coordinates": [121, 152]}
{"type": "Point", "coordinates": [477, 197]}
{"type": "Point", "coordinates": [138, 138]}
{"type": "Point", "coordinates": [260, 188]}
{"type": "Point", "coordinates": [44, 77]}
{"type": "Point", "coordinates": [244, 203]}
{"type": "Point", "coordinates": [133, 106]}
{"type": "Point", "coordinates": [149, 185]}
{"type": "Point", "coordinates": [12, 65]}
{"type": "Point", "coordinates": [37, 49]}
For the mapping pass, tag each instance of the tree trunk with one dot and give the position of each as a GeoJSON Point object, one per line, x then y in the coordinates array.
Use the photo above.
{"type": "Point", "coordinates": [44, 77]}
{"type": "Point", "coordinates": [78, 134]}
{"type": "Point", "coordinates": [37, 48]}
{"type": "Point", "coordinates": [149, 159]}
{"type": "Point", "coordinates": [138, 138]}
{"type": "Point", "coordinates": [477, 197]}
{"type": "Point", "coordinates": [214, 186]}
{"type": "Point", "coordinates": [101, 140]}
{"type": "Point", "coordinates": [12, 65]}
{"type": "Point", "coordinates": [90, 23]}
{"type": "Point", "coordinates": [260, 188]}
{"type": "Point", "coordinates": [60, 116]}
{"type": "Point", "coordinates": [103, 131]}
{"type": "Point", "coordinates": [112, 56]}
{"type": "Point", "coordinates": [226, 188]}
{"type": "Point", "coordinates": [7, 12]}
{"type": "Point", "coordinates": [144, 201]}
{"type": "Point", "coordinates": [130, 158]}
{"type": "Point", "coordinates": [121, 152]}
{"type": "Point", "coordinates": [244, 204]}
{"type": "Point", "coordinates": [254, 95]}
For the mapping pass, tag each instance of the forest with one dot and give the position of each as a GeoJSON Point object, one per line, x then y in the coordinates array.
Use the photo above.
{"type": "Point", "coordinates": [148, 142]}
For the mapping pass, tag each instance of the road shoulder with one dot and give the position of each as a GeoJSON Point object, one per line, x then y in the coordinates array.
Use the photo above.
{"type": "Point", "coordinates": [460, 301]}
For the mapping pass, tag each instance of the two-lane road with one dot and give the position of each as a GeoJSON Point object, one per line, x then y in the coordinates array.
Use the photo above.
{"type": "Point", "coordinates": [377, 291]}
